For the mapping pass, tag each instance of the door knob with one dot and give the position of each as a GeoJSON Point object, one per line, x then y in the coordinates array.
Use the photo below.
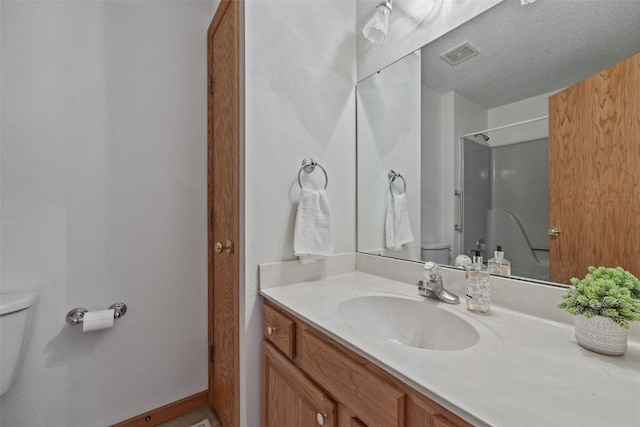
{"type": "Point", "coordinates": [227, 247]}
{"type": "Point", "coordinates": [554, 232]}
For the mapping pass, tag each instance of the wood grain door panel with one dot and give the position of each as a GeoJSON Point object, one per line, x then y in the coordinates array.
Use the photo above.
{"type": "Point", "coordinates": [594, 178]}
{"type": "Point", "coordinates": [223, 203]}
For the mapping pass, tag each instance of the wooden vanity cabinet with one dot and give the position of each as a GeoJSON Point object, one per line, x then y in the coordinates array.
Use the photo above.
{"type": "Point", "coordinates": [289, 397]}
{"type": "Point", "coordinates": [311, 380]}
{"type": "Point", "coordinates": [346, 418]}
{"type": "Point", "coordinates": [279, 329]}
{"type": "Point", "coordinates": [423, 412]}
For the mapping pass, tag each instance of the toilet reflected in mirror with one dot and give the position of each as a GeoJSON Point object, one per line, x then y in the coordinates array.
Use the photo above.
{"type": "Point", "coordinates": [440, 253]}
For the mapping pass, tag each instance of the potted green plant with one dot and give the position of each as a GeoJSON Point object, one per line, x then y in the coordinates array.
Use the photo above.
{"type": "Point", "coordinates": [604, 303]}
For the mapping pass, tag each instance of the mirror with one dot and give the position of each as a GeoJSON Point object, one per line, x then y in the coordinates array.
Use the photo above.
{"type": "Point", "coordinates": [457, 135]}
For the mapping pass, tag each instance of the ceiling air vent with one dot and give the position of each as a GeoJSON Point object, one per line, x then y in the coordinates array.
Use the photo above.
{"type": "Point", "coordinates": [459, 54]}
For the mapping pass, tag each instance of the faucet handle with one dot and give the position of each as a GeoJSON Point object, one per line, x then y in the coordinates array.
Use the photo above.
{"type": "Point", "coordinates": [431, 271]}
{"type": "Point", "coordinates": [434, 287]}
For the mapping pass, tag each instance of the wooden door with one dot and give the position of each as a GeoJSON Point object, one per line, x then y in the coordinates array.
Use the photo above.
{"type": "Point", "coordinates": [223, 203]}
{"type": "Point", "coordinates": [594, 173]}
{"type": "Point", "coordinates": [290, 399]}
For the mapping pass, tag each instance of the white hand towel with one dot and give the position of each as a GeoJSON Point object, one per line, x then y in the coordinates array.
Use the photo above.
{"type": "Point", "coordinates": [312, 231]}
{"type": "Point", "coordinates": [389, 225]}
{"type": "Point", "coordinates": [397, 226]}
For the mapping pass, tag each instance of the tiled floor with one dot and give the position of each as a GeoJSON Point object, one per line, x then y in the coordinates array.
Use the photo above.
{"type": "Point", "coordinates": [193, 417]}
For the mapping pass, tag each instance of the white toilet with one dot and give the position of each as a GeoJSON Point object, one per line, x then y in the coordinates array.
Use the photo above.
{"type": "Point", "coordinates": [15, 316]}
{"type": "Point", "coordinates": [436, 252]}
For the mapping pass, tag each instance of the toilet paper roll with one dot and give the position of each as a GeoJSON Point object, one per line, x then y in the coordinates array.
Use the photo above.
{"type": "Point", "coordinates": [97, 320]}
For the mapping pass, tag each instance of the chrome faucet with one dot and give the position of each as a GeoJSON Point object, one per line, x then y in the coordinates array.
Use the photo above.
{"type": "Point", "coordinates": [433, 288]}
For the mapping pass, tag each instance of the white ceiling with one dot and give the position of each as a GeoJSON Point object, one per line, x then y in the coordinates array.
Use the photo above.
{"type": "Point", "coordinates": [533, 49]}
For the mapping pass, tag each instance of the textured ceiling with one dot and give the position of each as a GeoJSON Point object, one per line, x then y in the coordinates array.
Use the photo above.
{"type": "Point", "coordinates": [533, 49]}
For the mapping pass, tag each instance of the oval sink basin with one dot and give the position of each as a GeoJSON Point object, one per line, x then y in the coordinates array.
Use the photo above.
{"type": "Point", "coordinates": [410, 322]}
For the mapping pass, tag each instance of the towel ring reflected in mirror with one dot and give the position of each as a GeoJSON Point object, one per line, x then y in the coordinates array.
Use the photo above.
{"type": "Point", "coordinates": [392, 177]}
{"type": "Point", "coordinates": [308, 166]}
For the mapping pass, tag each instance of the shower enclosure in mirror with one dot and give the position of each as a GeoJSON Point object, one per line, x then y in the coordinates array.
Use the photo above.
{"type": "Point", "coordinates": [472, 142]}
{"type": "Point", "coordinates": [503, 198]}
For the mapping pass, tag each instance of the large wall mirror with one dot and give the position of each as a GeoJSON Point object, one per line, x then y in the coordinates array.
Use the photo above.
{"type": "Point", "coordinates": [453, 139]}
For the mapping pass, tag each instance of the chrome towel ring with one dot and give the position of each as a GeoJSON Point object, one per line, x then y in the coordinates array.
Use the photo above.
{"type": "Point", "coordinates": [392, 177]}
{"type": "Point", "coordinates": [308, 166]}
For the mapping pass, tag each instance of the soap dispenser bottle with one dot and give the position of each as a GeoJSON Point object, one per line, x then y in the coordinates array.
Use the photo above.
{"type": "Point", "coordinates": [478, 289]}
{"type": "Point", "coordinates": [499, 264]}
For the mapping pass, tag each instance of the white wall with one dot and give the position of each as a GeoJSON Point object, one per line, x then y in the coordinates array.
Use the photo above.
{"type": "Point", "coordinates": [388, 115]}
{"type": "Point", "coordinates": [526, 109]}
{"type": "Point", "coordinates": [432, 167]}
{"type": "Point", "coordinates": [300, 102]}
{"type": "Point", "coordinates": [103, 197]}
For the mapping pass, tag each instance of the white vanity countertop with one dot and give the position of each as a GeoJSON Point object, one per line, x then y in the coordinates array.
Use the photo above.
{"type": "Point", "coordinates": [525, 371]}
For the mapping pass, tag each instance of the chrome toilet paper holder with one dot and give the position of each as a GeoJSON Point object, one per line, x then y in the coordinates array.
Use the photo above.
{"type": "Point", "coordinates": [76, 316]}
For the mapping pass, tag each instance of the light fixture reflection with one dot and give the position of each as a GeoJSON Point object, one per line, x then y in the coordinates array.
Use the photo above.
{"type": "Point", "coordinates": [376, 29]}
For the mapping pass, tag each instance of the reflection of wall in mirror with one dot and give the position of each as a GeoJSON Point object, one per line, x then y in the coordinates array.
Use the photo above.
{"type": "Point", "coordinates": [388, 112]}
{"type": "Point", "coordinates": [465, 116]}
{"type": "Point", "coordinates": [432, 170]}
{"type": "Point", "coordinates": [526, 109]}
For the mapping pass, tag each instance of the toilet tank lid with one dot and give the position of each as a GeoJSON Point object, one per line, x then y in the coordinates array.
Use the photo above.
{"type": "Point", "coordinates": [435, 245]}
{"type": "Point", "coordinates": [14, 301]}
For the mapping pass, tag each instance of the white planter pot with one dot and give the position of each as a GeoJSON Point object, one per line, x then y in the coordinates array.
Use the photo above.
{"type": "Point", "coordinates": [601, 335]}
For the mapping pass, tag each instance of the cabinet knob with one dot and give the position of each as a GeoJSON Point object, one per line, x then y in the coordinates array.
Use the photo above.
{"type": "Point", "coordinates": [271, 330]}
{"type": "Point", "coordinates": [321, 418]}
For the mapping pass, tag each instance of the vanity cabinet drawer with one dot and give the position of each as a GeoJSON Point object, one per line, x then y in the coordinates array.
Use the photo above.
{"type": "Point", "coordinates": [279, 330]}
{"type": "Point", "coordinates": [372, 399]}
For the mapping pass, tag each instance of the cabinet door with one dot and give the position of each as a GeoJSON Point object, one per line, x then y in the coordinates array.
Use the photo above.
{"type": "Point", "coordinates": [346, 417]}
{"type": "Point", "coordinates": [374, 400]}
{"type": "Point", "coordinates": [290, 399]}
{"type": "Point", "coordinates": [422, 412]}
{"type": "Point", "coordinates": [440, 421]}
